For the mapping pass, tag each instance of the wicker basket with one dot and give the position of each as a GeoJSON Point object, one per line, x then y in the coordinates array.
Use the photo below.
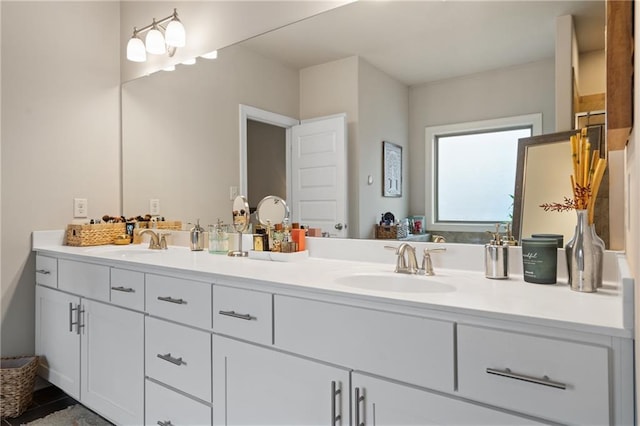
{"type": "Point", "coordinates": [386, 232]}
{"type": "Point", "coordinates": [174, 225]}
{"type": "Point", "coordinates": [94, 235]}
{"type": "Point", "coordinates": [17, 377]}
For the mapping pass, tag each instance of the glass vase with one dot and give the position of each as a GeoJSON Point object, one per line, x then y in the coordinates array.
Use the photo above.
{"type": "Point", "coordinates": [585, 252]}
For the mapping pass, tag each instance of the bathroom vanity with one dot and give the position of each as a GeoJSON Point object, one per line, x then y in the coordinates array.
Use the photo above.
{"type": "Point", "coordinates": [175, 337]}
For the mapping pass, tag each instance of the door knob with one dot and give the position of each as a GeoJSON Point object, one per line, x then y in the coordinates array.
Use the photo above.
{"type": "Point", "coordinates": [340, 226]}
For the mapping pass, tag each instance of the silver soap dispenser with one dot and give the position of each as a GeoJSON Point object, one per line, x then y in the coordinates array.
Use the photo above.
{"type": "Point", "coordinates": [496, 257]}
{"type": "Point", "coordinates": [196, 237]}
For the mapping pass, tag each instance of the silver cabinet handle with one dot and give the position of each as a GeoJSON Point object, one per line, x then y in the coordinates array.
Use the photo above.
{"type": "Point", "coordinates": [123, 289]}
{"type": "Point", "coordinates": [79, 311]}
{"type": "Point", "coordinates": [71, 323]}
{"type": "Point", "coordinates": [335, 392]}
{"type": "Point", "coordinates": [359, 399]}
{"type": "Point", "coordinates": [172, 300]}
{"type": "Point", "coordinates": [545, 381]}
{"type": "Point", "coordinates": [165, 423]}
{"type": "Point", "coordinates": [172, 360]}
{"type": "Point", "coordinates": [43, 271]}
{"type": "Point", "coordinates": [234, 314]}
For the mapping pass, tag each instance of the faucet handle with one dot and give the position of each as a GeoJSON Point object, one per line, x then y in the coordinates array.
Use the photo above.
{"type": "Point", "coordinates": [163, 240]}
{"type": "Point", "coordinates": [427, 264]}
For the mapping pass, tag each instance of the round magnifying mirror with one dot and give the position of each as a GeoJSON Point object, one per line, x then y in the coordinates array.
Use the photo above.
{"type": "Point", "coordinates": [240, 222]}
{"type": "Point", "coordinates": [240, 213]}
{"type": "Point", "coordinates": [271, 210]}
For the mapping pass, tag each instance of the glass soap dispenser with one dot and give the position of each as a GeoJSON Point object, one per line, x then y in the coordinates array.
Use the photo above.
{"type": "Point", "coordinates": [496, 257]}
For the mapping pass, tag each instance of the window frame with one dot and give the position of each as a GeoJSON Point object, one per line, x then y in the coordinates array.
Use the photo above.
{"type": "Point", "coordinates": [534, 121]}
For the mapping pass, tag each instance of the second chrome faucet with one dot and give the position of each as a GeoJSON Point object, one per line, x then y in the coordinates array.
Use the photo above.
{"type": "Point", "coordinates": [407, 262]}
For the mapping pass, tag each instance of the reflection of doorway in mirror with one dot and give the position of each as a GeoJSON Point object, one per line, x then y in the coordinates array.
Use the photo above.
{"type": "Point", "coordinates": [392, 169]}
{"type": "Point", "coordinates": [266, 162]}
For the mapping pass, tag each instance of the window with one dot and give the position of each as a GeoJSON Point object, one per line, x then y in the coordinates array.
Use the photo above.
{"type": "Point", "coordinates": [472, 172]}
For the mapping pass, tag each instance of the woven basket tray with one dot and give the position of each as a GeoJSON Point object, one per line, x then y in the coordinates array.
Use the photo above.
{"type": "Point", "coordinates": [386, 232]}
{"type": "Point", "coordinates": [17, 377]}
{"type": "Point", "coordinates": [174, 225]}
{"type": "Point", "coordinates": [94, 235]}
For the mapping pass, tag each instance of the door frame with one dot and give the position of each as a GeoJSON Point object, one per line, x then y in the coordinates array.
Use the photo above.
{"type": "Point", "coordinates": [252, 113]}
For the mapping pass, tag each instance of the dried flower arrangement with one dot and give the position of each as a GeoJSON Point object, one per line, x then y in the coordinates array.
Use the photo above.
{"type": "Point", "coordinates": [588, 170]}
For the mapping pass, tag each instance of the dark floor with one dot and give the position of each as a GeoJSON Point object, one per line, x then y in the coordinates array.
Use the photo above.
{"type": "Point", "coordinates": [45, 401]}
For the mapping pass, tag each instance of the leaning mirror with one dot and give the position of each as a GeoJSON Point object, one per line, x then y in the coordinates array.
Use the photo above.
{"type": "Point", "coordinates": [543, 176]}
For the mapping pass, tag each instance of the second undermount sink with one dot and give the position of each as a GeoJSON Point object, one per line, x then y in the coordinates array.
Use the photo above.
{"type": "Point", "coordinates": [393, 282]}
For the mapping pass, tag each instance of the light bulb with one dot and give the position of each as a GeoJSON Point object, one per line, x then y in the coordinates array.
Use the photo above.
{"type": "Point", "coordinates": [135, 50]}
{"type": "Point", "coordinates": [175, 34]}
{"type": "Point", "coordinates": [210, 55]}
{"type": "Point", "coordinates": [155, 41]}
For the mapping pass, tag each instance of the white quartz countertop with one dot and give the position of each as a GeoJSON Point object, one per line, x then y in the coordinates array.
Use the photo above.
{"type": "Point", "coordinates": [609, 311]}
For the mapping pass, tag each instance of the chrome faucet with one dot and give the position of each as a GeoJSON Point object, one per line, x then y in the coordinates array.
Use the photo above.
{"type": "Point", "coordinates": [156, 242]}
{"type": "Point", "coordinates": [427, 265]}
{"type": "Point", "coordinates": [408, 264]}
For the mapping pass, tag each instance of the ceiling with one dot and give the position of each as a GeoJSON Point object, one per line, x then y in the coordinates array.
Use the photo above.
{"type": "Point", "coordinates": [424, 41]}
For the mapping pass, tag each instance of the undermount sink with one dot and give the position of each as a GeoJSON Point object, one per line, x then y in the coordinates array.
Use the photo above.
{"type": "Point", "coordinates": [393, 282]}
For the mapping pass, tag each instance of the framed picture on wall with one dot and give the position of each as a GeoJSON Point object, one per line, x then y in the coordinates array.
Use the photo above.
{"type": "Point", "coordinates": [391, 170]}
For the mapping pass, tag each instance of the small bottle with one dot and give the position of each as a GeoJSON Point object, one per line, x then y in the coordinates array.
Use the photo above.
{"type": "Point", "coordinates": [496, 257]}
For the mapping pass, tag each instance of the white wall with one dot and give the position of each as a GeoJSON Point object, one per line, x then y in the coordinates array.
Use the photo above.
{"type": "Point", "coordinates": [210, 25]}
{"type": "Point", "coordinates": [500, 93]}
{"type": "Point", "coordinates": [181, 132]}
{"type": "Point", "coordinates": [383, 115]}
{"type": "Point", "coordinates": [60, 135]}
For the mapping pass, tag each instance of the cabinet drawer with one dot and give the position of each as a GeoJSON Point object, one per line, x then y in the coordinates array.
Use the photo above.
{"type": "Point", "coordinates": [407, 348]}
{"type": "Point", "coordinates": [179, 356]}
{"type": "Point", "coordinates": [164, 406]}
{"type": "Point", "coordinates": [46, 270]}
{"type": "Point", "coordinates": [127, 288]}
{"type": "Point", "coordinates": [242, 313]}
{"type": "Point", "coordinates": [554, 379]}
{"type": "Point", "coordinates": [179, 300]}
{"type": "Point", "coordinates": [84, 279]}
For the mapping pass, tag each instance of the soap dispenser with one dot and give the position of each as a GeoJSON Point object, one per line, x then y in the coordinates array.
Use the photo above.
{"type": "Point", "coordinates": [196, 237]}
{"type": "Point", "coordinates": [496, 257]}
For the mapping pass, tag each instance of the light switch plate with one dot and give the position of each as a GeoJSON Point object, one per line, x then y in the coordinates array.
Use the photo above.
{"type": "Point", "coordinates": [233, 192]}
{"type": "Point", "coordinates": [154, 207]}
{"type": "Point", "coordinates": [80, 208]}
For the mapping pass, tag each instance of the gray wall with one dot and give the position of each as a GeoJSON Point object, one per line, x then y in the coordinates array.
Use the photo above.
{"type": "Point", "coordinates": [60, 135]}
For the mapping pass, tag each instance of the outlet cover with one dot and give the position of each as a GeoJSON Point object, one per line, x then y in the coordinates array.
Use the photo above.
{"type": "Point", "coordinates": [233, 192]}
{"type": "Point", "coordinates": [80, 208]}
{"type": "Point", "coordinates": [154, 207]}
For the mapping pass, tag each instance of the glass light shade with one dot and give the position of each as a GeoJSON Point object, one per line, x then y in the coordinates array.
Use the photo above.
{"type": "Point", "coordinates": [155, 42]}
{"type": "Point", "coordinates": [175, 34]}
{"type": "Point", "coordinates": [135, 50]}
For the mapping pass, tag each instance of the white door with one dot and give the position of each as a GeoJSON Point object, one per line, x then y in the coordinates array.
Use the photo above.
{"type": "Point", "coordinates": [258, 386]}
{"type": "Point", "coordinates": [113, 362]}
{"type": "Point", "coordinates": [319, 174]}
{"type": "Point", "coordinates": [57, 339]}
{"type": "Point", "coordinates": [384, 403]}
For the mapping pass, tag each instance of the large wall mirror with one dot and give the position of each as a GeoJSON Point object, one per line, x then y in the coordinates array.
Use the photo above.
{"type": "Point", "coordinates": [393, 67]}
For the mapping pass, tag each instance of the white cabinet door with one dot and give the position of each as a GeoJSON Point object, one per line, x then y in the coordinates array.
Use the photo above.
{"type": "Point", "coordinates": [258, 386]}
{"type": "Point", "coordinates": [384, 403]}
{"type": "Point", "coordinates": [113, 362]}
{"type": "Point", "coordinates": [57, 339]}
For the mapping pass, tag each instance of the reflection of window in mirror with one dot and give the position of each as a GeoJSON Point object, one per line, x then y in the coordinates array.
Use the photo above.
{"type": "Point", "coordinates": [473, 172]}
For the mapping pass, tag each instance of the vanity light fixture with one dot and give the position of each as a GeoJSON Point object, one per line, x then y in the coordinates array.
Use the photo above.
{"type": "Point", "coordinates": [159, 40]}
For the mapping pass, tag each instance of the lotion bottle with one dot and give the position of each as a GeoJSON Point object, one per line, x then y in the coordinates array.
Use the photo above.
{"type": "Point", "coordinates": [496, 257]}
